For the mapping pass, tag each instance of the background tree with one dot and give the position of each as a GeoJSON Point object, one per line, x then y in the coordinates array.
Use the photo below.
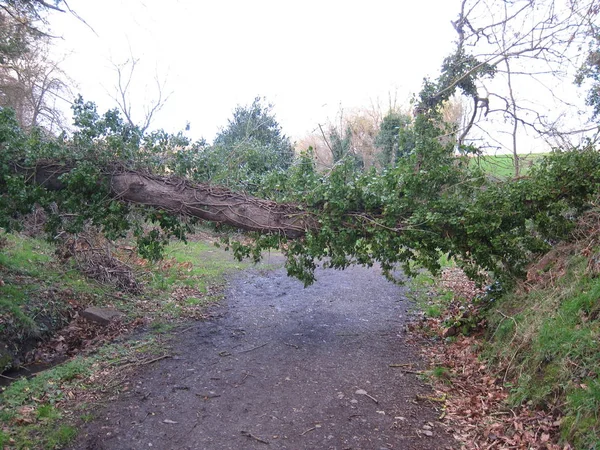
{"type": "Point", "coordinates": [21, 22]}
{"type": "Point", "coordinates": [590, 71]}
{"type": "Point", "coordinates": [394, 139]}
{"type": "Point", "coordinates": [35, 87]}
{"type": "Point", "coordinates": [251, 146]}
{"type": "Point", "coordinates": [351, 134]}
{"type": "Point", "coordinates": [340, 145]}
{"type": "Point", "coordinates": [256, 125]}
{"type": "Point", "coordinates": [31, 82]}
{"type": "Point", "coordinates": [528, 51]}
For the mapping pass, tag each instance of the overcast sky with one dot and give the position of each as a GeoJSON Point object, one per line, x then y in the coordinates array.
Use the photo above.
{"type": "Point", "coordinates": [308, 58]}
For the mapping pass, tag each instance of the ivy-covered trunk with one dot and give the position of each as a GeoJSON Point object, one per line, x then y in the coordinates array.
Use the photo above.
{"type": "Point", "coordinates": [183, 197]}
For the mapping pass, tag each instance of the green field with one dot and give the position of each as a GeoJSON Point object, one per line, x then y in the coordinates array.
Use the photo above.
{"type": "Point", "coordinates": [503, 166]}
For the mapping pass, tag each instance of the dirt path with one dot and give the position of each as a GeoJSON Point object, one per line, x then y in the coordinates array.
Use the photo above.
{"type": "Point", "coordinates": [280, 369]}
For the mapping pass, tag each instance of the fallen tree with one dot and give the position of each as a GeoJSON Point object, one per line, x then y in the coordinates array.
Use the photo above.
{"type": "Point", "coordinates": [184, 197]}
{"type": "Point", "coordinates": [431, 204]}
{"type": "Point", "coordinates": [111, 176]}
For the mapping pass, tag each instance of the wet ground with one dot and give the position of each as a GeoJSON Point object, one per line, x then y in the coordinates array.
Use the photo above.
{"type": "Point", "coordinates": [283, 367]}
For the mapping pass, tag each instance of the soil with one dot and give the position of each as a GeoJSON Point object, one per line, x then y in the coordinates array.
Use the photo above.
{"type": "Point", "coordinates": [283, 367]}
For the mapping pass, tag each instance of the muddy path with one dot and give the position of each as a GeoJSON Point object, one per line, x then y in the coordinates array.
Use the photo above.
{"type": "Point", "coordinates": [282, 367]}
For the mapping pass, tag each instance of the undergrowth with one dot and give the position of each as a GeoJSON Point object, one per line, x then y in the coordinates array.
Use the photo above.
{"type": "Point", "coordinates": [38, 295]}
{"type": "Point", "coordinates": [544, 336]}
{"type": "Point", "coordinates": [43, 411]}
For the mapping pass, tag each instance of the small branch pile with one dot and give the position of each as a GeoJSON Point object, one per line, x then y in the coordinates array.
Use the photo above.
{"type": "Point", "coordinates": [94, 258]}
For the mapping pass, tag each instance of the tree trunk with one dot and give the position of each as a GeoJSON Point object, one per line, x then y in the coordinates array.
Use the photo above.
{"type": "Point", "coordinates": [208, 202]}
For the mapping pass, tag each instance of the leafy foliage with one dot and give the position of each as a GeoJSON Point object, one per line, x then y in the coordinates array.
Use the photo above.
{"type": "Point", "coordinates": [340, 144]}
{"type": "Point", "coordinates": [255, 127]}
{"type": "Point", "coordinates": [250, 147]}
{"type": "Point", "coordinates": [395, 138]}
{"type": "Point", "coordinates": [427, 202]}
{"type": "Point", "coordinates": [21, 24]}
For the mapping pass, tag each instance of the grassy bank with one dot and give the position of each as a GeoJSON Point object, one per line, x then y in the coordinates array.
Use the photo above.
{"type": "Point", "coordinates": [40, 298]}
{"type": "Point", "coordinates": [545, 337]}
{"type": "Point", "coordinates": [44, 411]}
{"type": "Point", "coordinates": [522, 368]}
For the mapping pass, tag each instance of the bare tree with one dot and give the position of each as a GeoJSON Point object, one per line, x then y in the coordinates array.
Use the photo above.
{"type": "Point", "coordinates": [123, 95]}
{"type": "Point", "coordinates": [356, 129]}
{"type": "Point", "coordinates": [33, 84]}
{"type": "Point", "coordinates": [533, 50]}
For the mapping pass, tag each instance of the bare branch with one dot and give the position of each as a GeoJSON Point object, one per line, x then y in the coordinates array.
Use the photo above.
{"type": "Point", "coordinates": [124, 86]}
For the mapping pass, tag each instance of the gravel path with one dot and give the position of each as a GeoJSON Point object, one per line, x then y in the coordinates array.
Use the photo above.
{"type": "Point", "coordinates": [282, 367]}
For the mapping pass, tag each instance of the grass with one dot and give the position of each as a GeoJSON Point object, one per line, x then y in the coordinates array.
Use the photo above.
{"type": "Point", "coordinates": [440, 372]}
{"type": "Point", "coordinates": [547, 342]}
{"type": "Point", "coordinates": [425, 292]}
{"type": "Point", "coordinates": [30, 409]}
{"type": "Point", "coordinates": [49, 385]}
{"type": "Point", "coordinates": [189, 278]}
{"type": "Point", "coordinates": [26, 256]}
{"type": "Point", "coordinates": [61, 436]}
{"type": "Point", "coordinates": [502, 166]}
{"type": "Point", "coordinates": [37, 296]}
{"type": "Point", "coordinates": [198, 264]}
{"type": "Point", "coordinates": [39, 412]}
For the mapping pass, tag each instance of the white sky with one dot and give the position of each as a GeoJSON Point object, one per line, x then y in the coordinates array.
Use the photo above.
{"type": "Point", "coordinates": [308, 58]}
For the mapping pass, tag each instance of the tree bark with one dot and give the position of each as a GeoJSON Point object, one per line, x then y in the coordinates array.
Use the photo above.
{"type": "Point", "coordinates": [204, 201]}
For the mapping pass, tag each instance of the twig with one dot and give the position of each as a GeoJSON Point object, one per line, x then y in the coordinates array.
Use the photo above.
{"type": "Point", "coordinates": [251, 436]}
{"type": "Point", "coordinates": [441, 399]}
{"type": "Point", "coordinates": [416, 372]}
{"type": "Point", "coordinates": [292, 345]}
{"type": "Point", "coordinates": [372, 398]}
{"type": "Point", "coordinates": [7, 377]}
{"type": "Point", "coordinates": [253, 348]}
{"type": "Point", "coordinates": [206, 397]}
{"type": "Point", "coordinates": [400, 365]}
{"type": "Point", "coordinates": [310, 429]}
{"type": "Point", "coordinates": [246, 375]}
{"type": "Point", "coordinates": [186, 329]}
{"type": "Point", "coordinates": [143, 363]}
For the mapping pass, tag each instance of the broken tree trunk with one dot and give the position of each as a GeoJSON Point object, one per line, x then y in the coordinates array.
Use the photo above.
{"type": "Point", "coordinates": [205, 201]}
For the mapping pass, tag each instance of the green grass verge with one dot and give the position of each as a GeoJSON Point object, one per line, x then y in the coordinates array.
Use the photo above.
{"type": "Point", "coordinates": [547, 340]}
{"type": "Point", "coordinates": [425, 292]}
{"type": "Point", "coordinates": [39, 294]}
{"type": "Point", "coordinates": [196, 264]}
{"type": "Point", "coordinates": [189, 278]}
{"type": "Point", "coordinates": [44, 411]}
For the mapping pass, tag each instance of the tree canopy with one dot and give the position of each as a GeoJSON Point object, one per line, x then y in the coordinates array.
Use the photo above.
{"type": "Point", "coordinates": [255, 125]}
